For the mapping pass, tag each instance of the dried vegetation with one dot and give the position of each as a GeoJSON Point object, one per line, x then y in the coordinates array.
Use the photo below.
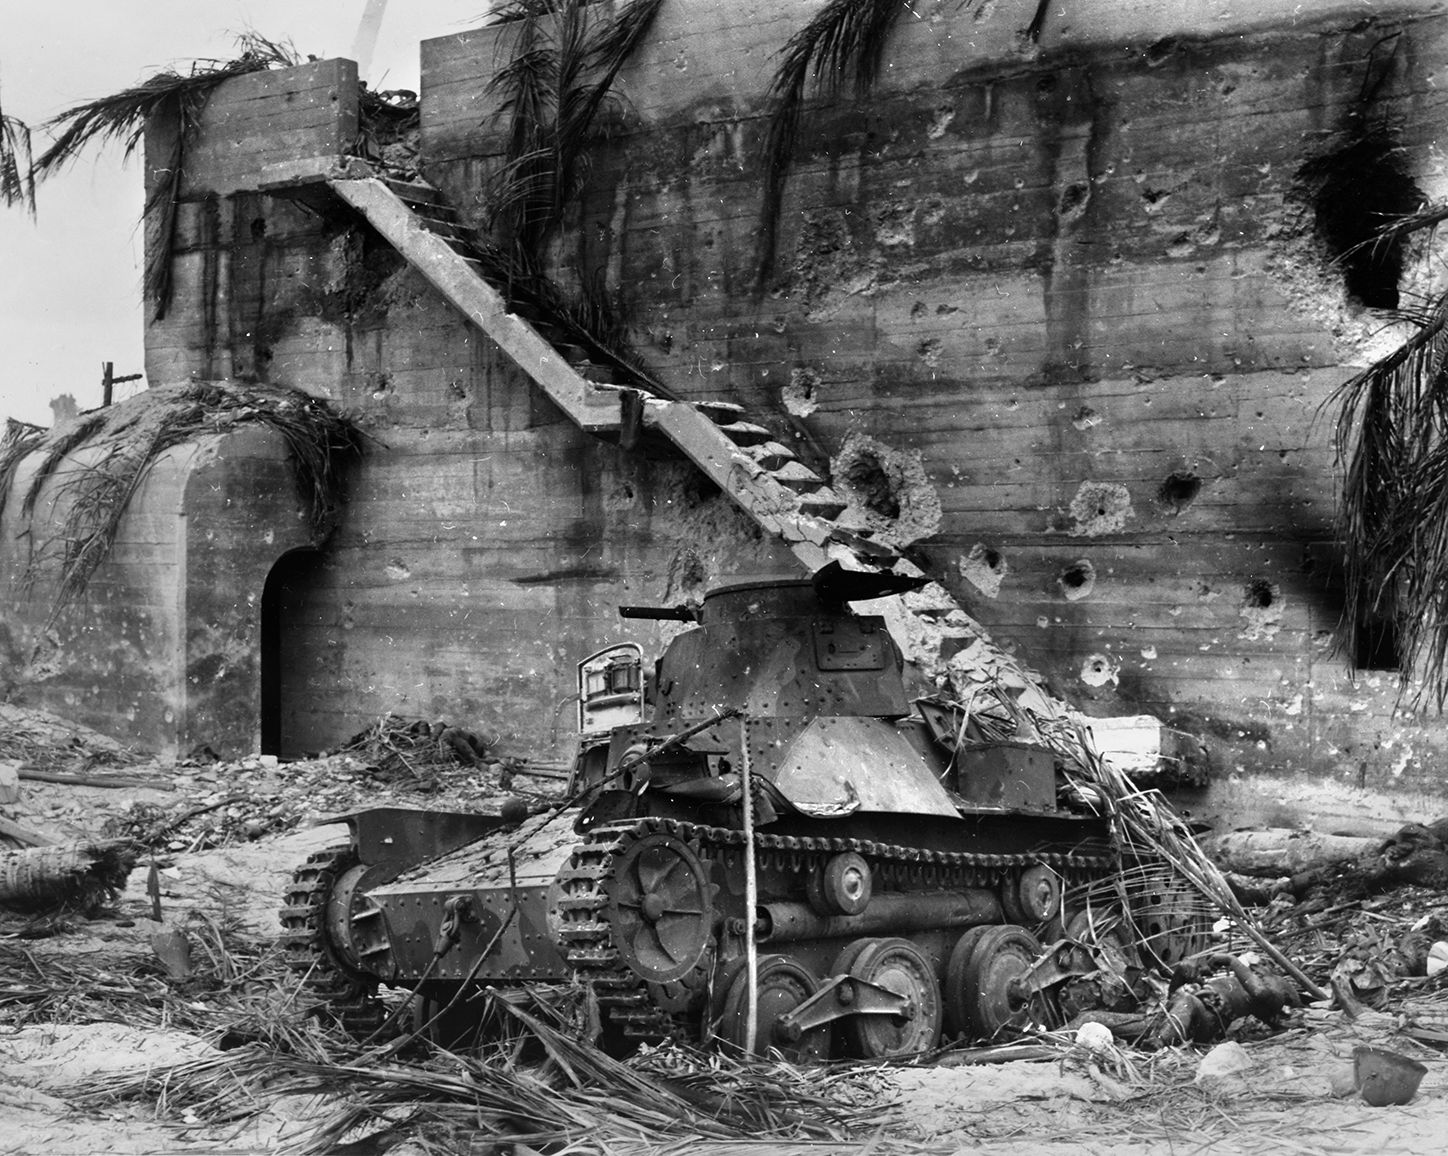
{"type": "Point", "coordinates": [92, 490]}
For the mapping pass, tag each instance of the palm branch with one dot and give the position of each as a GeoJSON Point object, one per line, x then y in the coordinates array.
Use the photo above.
{"type": "Point", "coordinates": [123, 115]}
{"type": "Point", "coordinates": [1392, 434]}
{"type": "Point", "coordinates": [844, 40]}
{"type": "Point", "coordinates": [17, 180]}
{"type": "Point", "coordinates": [562, 63]}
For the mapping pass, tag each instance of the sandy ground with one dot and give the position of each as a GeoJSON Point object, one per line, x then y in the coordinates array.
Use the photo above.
{"type": "Point", "coordinates": [1121, 1103]}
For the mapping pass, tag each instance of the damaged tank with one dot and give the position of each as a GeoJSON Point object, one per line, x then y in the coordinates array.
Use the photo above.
{"type": "Point", "coordinates": [911, 879]}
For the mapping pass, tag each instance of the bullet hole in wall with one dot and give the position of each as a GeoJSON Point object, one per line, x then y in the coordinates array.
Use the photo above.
{"type": "Point", "coordinates": [985, 568]}
{"type": "Point", "coordinates": [1077, 580]}
{"type": "Point", "coordinates": [1259, 594]}
{"type": "Point", "coordinates": [1074, 199]}
{"type": "Point", "coordinates": [1179, 490]}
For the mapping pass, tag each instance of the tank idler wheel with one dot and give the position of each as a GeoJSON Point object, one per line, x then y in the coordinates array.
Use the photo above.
{"type": "Point", "coordinates": [783, 985]}
{"type": "Point", "coordinates": [957, 1020]}
{"type": "Point", "coordinates": [1171, 923]}
{"type": "Point", "coordinates": [1032, 898]}
{"type": "Point", "coordinates": [841, 886]}
{"type": "Point", "coordinates": [660, 908]}
{"type": "Point", "coordinates": [992, 997]}
{"type": "Point", "coordinates": [898, 966]}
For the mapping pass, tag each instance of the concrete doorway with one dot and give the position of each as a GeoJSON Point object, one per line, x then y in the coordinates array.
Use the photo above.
{"type": "Point", "coordinates": [284, 602]}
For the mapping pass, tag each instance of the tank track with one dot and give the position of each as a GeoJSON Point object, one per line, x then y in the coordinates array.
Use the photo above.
{"type": "Point", "coordinates": [641, 1010]}
{"type": "Point", "coordinates": [350, 1001]}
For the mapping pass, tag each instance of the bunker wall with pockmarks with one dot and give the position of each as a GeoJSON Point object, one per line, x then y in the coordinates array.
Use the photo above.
{"type": "Point", "coordinates": [1056, 316]}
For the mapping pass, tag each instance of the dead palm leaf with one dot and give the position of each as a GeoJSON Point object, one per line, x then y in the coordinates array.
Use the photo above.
{"type": "Point", "coordinates": [122, 116]}
{"type": "Point", "coordinates": [1392, 435]}
{"type": "Point", "coordinates": [17, 179]}
{"type": "Point", "coordinates": [563, 58]}
{"type": "Point", "coordinates": [124, 440]}
{"type": "Point", "coordinates": [844, 41]}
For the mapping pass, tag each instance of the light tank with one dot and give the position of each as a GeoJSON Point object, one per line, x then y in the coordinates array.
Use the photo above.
{"type": "Point", "coordinates": [912, 882]}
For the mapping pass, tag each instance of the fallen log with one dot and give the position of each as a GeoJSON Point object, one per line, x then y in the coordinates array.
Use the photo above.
{"type": "Point", "coordinates": [115, 782]}
{"type": "Point", "coordinates": [1415, 854]}
{"type": "Point", "coordinates": [79, 875]}
{"type": "Point", "coordinates": [1278, 851]}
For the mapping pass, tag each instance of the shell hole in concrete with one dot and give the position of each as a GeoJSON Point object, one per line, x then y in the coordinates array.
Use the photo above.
{"type": "Point", "coordinates": [1077, 580]}
{"type": "Point", "coordinates": [1353, 193]}
{"type": "Point", "coordinates": [1180, 490]}
{"type": "Point", "coordinates": [1259, 594]}
{"type": "Point", "coordinates": [867, 477]}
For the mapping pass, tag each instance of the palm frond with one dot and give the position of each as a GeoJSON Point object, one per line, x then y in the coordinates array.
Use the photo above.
{"type": "Point", "coordinates": [1392, 433]}
{"type": "Point", "coordinates": [122, 117]}
{"type": "Point", "coordinates": [17, 178]}
{"type": "Point", "coordinates": [122, 442]}
{"type": "Point", "coordinates": [20, 441]}
{"type": "Point", "coordinates": [845, 40]}
{"type": "Point", "coordinates": [562, 60]}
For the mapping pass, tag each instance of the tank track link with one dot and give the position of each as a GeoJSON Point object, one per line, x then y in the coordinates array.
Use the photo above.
{"type": "Point", "coordinates": [350, 1001]}
{"type": "Point", "coordinates": [641, 1010]}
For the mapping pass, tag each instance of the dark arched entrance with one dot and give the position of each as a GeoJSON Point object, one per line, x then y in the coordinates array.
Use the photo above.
{"type": "Point", "coordinates": [283, 609]}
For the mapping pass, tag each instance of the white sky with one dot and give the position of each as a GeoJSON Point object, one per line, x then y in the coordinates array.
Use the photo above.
{"type": "Point", "coordinates": [70, 295]}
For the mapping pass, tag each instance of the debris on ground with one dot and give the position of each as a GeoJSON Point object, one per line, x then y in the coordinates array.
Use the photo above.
{"type": "Point", "coordinates": [84, 876]}
{"type": "Point", "coordinates": [218, 1050]}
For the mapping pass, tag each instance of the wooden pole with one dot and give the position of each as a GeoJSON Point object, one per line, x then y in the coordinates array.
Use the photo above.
{"type": "Point", "coordinates": [108, 382]}
{"type": "Point", "coordinates": [751, 896]}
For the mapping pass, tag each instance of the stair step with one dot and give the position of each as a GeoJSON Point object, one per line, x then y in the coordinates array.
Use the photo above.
{"type": "Point", "coordinates": [720, 412]}
{"type": "Point", "coordinates": [414, 193]}
{"type": "Point", "coordinates": [746, 433]}
{"type": "Point", "coordinates": [770, 455]}
{"type": "Point", "coordinates": [798, 477]}
{"type": "Point", "coordinates": [443, 229]}
{"type": "Point", "coordinates": [822, 503]}
{"type": "Point", "coordinates": [591, 371]}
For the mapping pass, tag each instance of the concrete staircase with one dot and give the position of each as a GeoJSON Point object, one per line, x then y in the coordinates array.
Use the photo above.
{"type": "Point", "coordinates": [781, 494]}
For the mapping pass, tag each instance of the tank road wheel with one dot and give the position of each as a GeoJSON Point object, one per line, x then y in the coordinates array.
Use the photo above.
{"type": "Point", "coordinates": [348, 996]}
{"type": "Point", "coordinates": [659, 908]}
{"type": "Point", "coordinates": [842, 886]}
{"type": "Point", "coordinates": [988, 999]}
{"type": "Point", "coordinates": [957, 1019]}
{"type": "Point", "coordinates": [898, 966]}
{"type": "Point", "coordinates": [783, 986]}
{"type": "Point", "coordinates": [1034, 897]}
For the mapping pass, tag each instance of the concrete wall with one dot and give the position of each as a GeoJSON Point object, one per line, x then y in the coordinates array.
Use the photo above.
{"type": "Point", "coordinates": [162, 648]}
{"type": "Point", "coordinates": [1049, 277]}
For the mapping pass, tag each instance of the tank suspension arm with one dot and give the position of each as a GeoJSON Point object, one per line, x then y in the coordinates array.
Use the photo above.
{"type": "Point", "coordinates": [838, 997]}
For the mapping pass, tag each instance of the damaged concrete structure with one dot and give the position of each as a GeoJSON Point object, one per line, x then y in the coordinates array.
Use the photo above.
{"type": "Point", "coordinates": [1052, 319]}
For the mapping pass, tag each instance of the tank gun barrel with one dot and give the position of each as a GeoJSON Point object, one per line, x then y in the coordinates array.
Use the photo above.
{"type": "Point", "coordinates": [665, 613]}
